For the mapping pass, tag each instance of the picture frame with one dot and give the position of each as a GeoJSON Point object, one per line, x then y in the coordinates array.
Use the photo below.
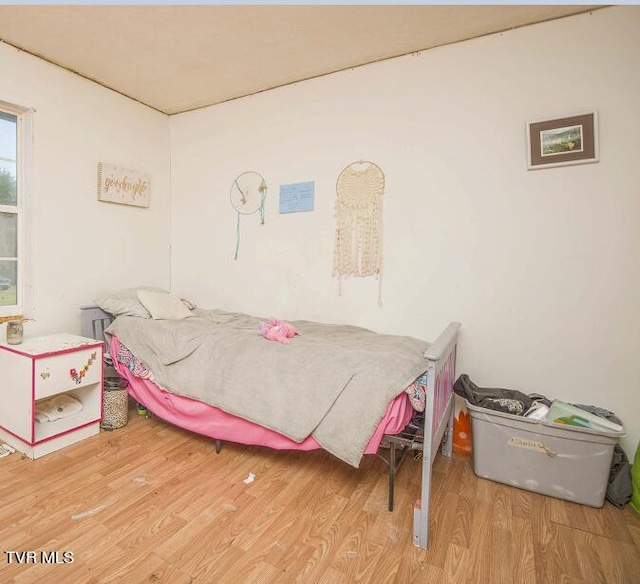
{"type": "Point", "coordinates": [122, 185]}
{"type": "Point", "coordinates": [563, 141]}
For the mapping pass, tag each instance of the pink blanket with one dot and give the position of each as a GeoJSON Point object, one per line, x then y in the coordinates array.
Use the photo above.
{"type": "Point", "coordinates": [207, 420]}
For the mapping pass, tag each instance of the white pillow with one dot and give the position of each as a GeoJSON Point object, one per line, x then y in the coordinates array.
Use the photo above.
{"type": "Point", "coordinates": [125, 302]}
{"type": "Point", "coordinates": [163, 306]}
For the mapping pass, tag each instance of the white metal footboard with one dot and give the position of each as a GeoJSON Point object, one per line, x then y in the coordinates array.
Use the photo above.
{"type": "Point", "coordinates": [438, 419]}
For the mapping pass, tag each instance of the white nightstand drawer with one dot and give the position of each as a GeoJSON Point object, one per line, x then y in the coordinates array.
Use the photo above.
{"type": "Point", "coordinates": [65, 371]}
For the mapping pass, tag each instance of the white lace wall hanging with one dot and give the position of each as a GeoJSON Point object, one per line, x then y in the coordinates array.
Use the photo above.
{"type": "Point", "coordinates": [358, 210]}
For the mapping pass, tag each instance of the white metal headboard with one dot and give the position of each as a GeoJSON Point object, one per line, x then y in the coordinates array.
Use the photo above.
{"type": "Point", "coordinates": [94, 322]}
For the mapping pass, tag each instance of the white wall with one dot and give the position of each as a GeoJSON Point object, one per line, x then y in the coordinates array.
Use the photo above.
{"type": "Point", "coordinates": [539, 266]}
{"type": "Point", "coordinates": [80, 247]}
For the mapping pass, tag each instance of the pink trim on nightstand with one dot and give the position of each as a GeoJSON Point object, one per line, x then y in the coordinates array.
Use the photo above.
{"type": "Point", "coordinates": [65, 432]}
{"type": "Point", "coordinates": [52, 353]}
{"type": "Point", "coordinates": [33, 398]}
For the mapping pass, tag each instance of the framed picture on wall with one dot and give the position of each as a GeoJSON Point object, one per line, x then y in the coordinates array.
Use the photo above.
{"type": "Point", "coordinates": [563, 141]}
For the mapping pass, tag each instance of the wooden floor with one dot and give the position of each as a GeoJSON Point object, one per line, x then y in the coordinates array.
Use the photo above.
{"type": "Point", "coordinates": [151, 503]}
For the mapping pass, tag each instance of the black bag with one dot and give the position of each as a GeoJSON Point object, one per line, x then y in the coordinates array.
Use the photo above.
{"type": "Point", "coordinates": [509, 401]}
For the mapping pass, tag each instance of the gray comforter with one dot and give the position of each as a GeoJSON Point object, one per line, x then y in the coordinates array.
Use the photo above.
{"type": "Point", "coordinates": [333, 382]}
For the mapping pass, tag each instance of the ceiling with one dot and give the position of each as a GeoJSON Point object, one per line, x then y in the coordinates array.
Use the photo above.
{"type": "Point", "coordinates": [179, 58]}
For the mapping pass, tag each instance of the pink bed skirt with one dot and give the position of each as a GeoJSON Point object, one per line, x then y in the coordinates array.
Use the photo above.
{"type": "Point", "coordinates": [207, 420]}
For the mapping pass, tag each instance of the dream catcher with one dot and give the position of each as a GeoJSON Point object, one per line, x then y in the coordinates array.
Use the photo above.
{"type": "Point", "coordinates": [248, 193]}
{"type": "Point", "coordinates": [358, 243]}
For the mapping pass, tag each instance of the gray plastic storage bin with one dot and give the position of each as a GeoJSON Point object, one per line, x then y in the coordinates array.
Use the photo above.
{"type": "Point", "coordinates": [566, 462]}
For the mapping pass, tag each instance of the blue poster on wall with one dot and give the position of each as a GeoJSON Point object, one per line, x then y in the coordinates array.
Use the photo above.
{"type": "Point", "coordinates": [297, 197]}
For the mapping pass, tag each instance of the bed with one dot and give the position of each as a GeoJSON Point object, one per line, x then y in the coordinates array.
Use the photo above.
{"type": "Point", "coordinates": [142, 348]}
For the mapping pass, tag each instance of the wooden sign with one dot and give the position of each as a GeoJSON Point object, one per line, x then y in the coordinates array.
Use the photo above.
{"type": "Point", "coordinates": [122, 185]}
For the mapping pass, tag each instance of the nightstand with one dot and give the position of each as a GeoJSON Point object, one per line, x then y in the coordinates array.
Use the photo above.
{"type": "Point", "coordinates": [39, 369]}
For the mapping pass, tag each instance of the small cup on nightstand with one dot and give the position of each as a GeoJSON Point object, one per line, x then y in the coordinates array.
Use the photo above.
{"type": "Point", "coordinates": [15, 331]}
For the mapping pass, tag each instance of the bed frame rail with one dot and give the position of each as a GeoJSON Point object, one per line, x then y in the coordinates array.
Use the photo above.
{"type": "Point", "coordinates": [438, 423]}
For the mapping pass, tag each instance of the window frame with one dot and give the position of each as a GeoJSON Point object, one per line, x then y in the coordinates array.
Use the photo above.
{"type": "Point", "coordinates": [23, 158]}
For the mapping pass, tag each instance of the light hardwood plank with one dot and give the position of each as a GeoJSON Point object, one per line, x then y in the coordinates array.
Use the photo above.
{"type": "Point", "coordinates": [152, 503]}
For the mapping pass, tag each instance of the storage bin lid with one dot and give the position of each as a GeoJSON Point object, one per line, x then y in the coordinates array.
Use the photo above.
{"type": "Point", "coordinates": [539, 425]}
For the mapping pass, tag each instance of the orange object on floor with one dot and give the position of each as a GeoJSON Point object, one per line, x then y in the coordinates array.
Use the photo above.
{"type": "Point", "coordinates": [462, 434]}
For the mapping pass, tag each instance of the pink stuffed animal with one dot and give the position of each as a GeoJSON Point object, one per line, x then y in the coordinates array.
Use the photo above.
{"type": "Point", "coordinates": [278, 330]}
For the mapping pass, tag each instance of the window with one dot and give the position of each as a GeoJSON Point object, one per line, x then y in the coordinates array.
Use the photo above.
{"type": "Point", "coordinates": [12, 167]}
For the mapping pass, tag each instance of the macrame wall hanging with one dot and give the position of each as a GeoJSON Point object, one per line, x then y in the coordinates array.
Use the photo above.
{"type": "Point", "coordinates": [248, 193]}
{"type": "Point", "coordinates": [358, 243]}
